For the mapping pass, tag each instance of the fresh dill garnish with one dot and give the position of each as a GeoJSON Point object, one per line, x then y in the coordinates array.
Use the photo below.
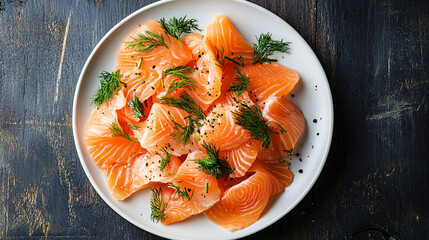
{"type": "Point", "coordinates": [157, 206]}
{"type": "Point", "coordinates": [282, 130]}
{"type": "Point", "coordinates": [140, 63]}
{"type": "Point", "coordinates": [147, 42]}
{"type": "Point", "coordinates": [177, 26]}
{"type": "Point", "coordinates": [251, 119]}
{"type": "Point", "coordinates": [213, 165]}
{"type": "Point", "coordinates": [185, 102]}
{"type": "Point", "coordinates": [110, 85]}
{"type": "Point", "coordinates": [196, 137]}
{"type": "Point", "coordinates": [182, 193]}
{"type": "Point", "coordinates": [136, 107]}
{"type": "Point", "coordinates": [181, 79]}
{"type": "Point", "coordinates": [239, 61]}
{"type": "Point", "coordinates": [207, 187]}
{"type": "Point", "coordinates": [288, 151]}
{"type": "Point", "coordinates": [183, 133]}
{"type": "Point", "coordinates": [168, 174]}
{"type": "Point", "coordinates": [165, 159]}
{"type": "Point", "coordinates": [219, 56]}
{"type": "Point", "coordinates": [133, 127]}
{"type": "Point", "coordinates": [266, 46]}
{"type": "Point", "coordinates": [240, 84]}
{"type": "Point", "coordinates": [118, 131]}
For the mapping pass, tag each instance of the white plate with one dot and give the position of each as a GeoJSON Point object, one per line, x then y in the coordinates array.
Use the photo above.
{"type": "Point", "coordinates": [312, 95]}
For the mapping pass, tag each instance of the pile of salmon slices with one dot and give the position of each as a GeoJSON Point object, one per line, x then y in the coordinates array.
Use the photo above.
{"type": "Point", "coordinates": [200, 117]}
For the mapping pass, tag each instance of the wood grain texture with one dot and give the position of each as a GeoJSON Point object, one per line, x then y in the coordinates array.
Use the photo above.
{"type": "Point", "coordinates": [375, 54]}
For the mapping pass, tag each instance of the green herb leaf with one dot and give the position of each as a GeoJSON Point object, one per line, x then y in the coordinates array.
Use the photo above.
{"type": "Point", "coordinates": [146, 43]}
{"type": "Point", "coordinates": [207, 187]}
{"type": "Point", "coordinates": [165, 159]}
{"type": "Point", "coordinates": [177, 26]}
{"type": "Point", "coordinates": [157, 206]}
{"type": "Point", "coordinates": [140, 63]}
{"type": "Point", "coordinates": [219, 57]}
{"type": "Point", "coordinates": [183, 133]}
{"type": "Point", "coordinates": [118, 131]}
{"type": "Point", "coordinates": [212, 164]}
{"type": "Point", "coordinates": [185, 102]}
{"type": "Point", "coordinates": [266, 47]}
{"type": "Point", "coordinates": [240, 84]}
{"type": "Point", "coordinates": [182, 193]}
{"type": "Point", "coordinates": [133, 127]}
{"type": "Point", "coordinates": [239, 61]}
{"type": "Point", "coordinates": [251, 119]}
{"type": "Point", "coordinates": [181, 79]}
{"type": "Point", "coordinates": [136, 107]}
{"type": "Point", "coordinates": [110, 85]}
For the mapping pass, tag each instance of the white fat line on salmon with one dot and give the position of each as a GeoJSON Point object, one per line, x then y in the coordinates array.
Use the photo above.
{"type": "Point", "coordinates": [66, 33]}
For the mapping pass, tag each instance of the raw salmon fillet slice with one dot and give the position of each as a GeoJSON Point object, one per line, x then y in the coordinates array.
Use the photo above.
{"type": "Point", "coordinates": [159, 59]}
{"type": "Point", "coordinates": [156, 132]}
{"type": "Point", "coordinates": [242, 205]}
{"type": "Point", "coordinates": [202, 188]}
{"type": "Point", "coordinates": [242, 157]}
{"type": "Point", "coordinates": [280, 172]}
{"type": "Point", "coordinates": [207, 73]}
{"type": "Point", "coordinates": [220, 33]}
{"type": "Point", "coordinates": [278, 110]}
{"type": "Point", "coordinates": [269, 79]}
{"type": "Point", "coordinates": [142, 171]}
{"type": "Point", "coordinates": [103, 148]}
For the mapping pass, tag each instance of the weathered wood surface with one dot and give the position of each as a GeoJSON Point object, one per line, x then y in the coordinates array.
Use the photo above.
{"type": "Point", "coordinates": [375, 54]}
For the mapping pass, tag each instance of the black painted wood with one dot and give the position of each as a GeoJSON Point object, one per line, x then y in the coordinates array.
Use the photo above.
{"type": "Point", "coordinates": [375, 54]}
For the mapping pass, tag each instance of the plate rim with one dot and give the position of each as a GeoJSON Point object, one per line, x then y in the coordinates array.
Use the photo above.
{"type": "Point", "coordinates": [162, 234]}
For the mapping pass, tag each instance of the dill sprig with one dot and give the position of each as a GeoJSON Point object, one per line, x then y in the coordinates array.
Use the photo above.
{"type": "Point", "coordinates": [177, 26]}
{"type": "Point", "coordinates": [165, 159]}
{"type": "Point", "coordinates": [219, 56]}
{"type": "Point", "coordinates": [183, 133]}
{"type": "Point", "coordinates": [251, 119]}
{"type": "Point", "coordinates": [182, 193]}
{"type": "Point", "coordinates": [147, 42]}
{"type": "Point", "coordinates": [239, 61]}
{"type": "Point", "coordinates": [118, 131]}
{"type": "Point", "coordinates": [133, 127]}
{"type": "Point", "coordinates": [110, 85]}
{"type": "Point", "coordinates": [181, 79]}
{"type": "Point", "coordinates": [212, 164]}
{"type": "Point", "coordinates": [266, 47]}
{"type": "Point", "coordinates": [136, 107]}
{"type": "Point", "coordinates": [240, 84]}
{"type": "Point", "coordinates": [185, 102]}
{"type": "Point", "coordinates": [157, 206]}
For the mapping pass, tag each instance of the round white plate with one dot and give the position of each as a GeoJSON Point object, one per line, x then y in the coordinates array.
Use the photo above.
{"type": "Point", "coordinates": [312, 95]}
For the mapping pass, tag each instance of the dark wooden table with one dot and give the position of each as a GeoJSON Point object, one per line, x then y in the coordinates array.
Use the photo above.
{"type": "Point", "coordinates": [375, 181]}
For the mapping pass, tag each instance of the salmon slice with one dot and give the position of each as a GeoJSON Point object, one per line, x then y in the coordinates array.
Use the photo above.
{"type": "Point", "coordinates": [242, 157]}
{"type": "Point", "coordinates": [103, 148]}
{"type": "Point", "coordinates": [279, 110]}
{"type": "Point", "coordinates": [269, 79]}
{"type": "Point", "coordinates": [242, 205]}
{"type": "Point", "coordinates": [221, 130]}
{"type": "Point", "coordinates": [160, 58]}
{"type": "Point", "coordinates": [220, 33]}
{"type": "Point", "coordinates": [156, 132]}
{"type": "Point", "coordinates": [280, 172]}
{"type": "Point", "coordinates": [203, 190]}
{"type": "Point", "coordinates": [207, 73]}
{"type": "Point", "coordinates": [143, 71]}
{"type": "Point", "coordinates": [124, 179]}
